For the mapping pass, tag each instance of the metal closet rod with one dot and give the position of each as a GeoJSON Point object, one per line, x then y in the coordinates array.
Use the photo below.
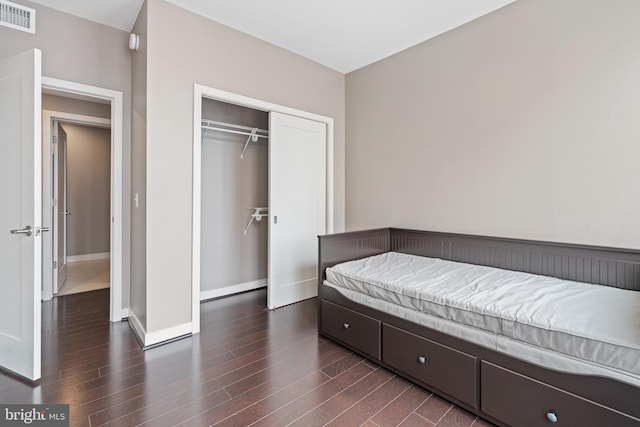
{"type": "Point", "coordinates": [233, 128]}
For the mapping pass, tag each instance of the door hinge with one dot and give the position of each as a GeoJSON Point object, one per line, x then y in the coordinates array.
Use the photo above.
{"type": "Point", "coordinates": [54, 139]}
{"type": "Point", "coordinates": [55, 265]}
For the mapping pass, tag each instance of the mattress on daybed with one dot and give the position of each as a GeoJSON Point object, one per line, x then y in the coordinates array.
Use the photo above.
{"type": "Point", "coordinates": [597, 324]}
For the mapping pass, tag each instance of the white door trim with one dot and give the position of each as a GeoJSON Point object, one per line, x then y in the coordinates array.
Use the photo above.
{"type": "Point", "coordinates": [200, 92]}
{"type": "Point", "coordinates": [117, 190]}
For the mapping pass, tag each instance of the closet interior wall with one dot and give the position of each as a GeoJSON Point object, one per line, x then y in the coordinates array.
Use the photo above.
{"type": "Point", "coordinates": [231, 260]}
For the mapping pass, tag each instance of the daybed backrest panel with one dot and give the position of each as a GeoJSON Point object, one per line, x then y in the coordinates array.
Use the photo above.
{"type": "Point", "coordinates": [422, 245]}
{"type": "Point", "coordinates": [490, 255]}
{"type": "Point", "coordinates": [598, 269]}
{"type": "Point", "coordinates": [618, 268]}
{"type": "Point", "coordinates": [336, 248]}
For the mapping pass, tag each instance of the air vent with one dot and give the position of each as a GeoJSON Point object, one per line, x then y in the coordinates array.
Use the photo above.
{"type": "Point", "coordinates": [17, 16]}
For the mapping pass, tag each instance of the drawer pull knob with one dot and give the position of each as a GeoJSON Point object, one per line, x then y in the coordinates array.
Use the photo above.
{"type": "Point", "coordinates": [552, 417]}
{"type": "Point", "coordinates": [422, 360]}
{"type": "Point", "coordinates": [346, 326]}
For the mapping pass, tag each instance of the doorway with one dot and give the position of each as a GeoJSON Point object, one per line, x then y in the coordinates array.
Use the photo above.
{"type": "Point", "coordinates": [114, 102]}
{"type": "Point", "coordinates": [81, 205]}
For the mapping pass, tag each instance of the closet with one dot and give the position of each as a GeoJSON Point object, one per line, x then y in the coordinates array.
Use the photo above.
{"type": "Point", "coordinates": [263, 202]}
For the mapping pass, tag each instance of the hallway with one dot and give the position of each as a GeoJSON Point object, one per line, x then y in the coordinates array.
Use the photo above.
{"type": "Point", "coordinates": [84, 276]}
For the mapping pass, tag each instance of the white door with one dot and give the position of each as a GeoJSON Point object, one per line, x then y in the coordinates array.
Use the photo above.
{"type": "Point", "coordinates": [60, 205]}
{"type": "Point", "coordinates": [21, 213]}
{"type": "Point", "coordinates": [297, 207]}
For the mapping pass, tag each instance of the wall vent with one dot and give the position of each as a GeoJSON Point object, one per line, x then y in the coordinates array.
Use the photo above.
{"type": "Point", "coordinates": [17, 16]}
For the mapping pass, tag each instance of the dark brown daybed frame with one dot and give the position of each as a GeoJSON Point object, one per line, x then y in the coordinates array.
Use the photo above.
{"type": "Point", "coordinates": [495, 386]}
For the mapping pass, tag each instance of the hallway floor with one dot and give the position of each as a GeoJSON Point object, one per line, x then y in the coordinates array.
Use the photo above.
{"type": "Point", "coordinates": [84, 276]}
{"type": "Point", "coordinates": [248, 366]}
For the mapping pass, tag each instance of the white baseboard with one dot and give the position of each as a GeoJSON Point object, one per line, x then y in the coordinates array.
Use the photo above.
{"type": "Point", "coordinates": [147, 339]}
{"type": "Point", "coordinates": [168, 334]}
{"type": "Point", "coordinates": [89, 257]}
{"type": "Point", "coordinates": [137, 327]}
{"type": "Point", "coordinates": [124, 313]}
{"type": "Point", "coordinates": [234, 289]}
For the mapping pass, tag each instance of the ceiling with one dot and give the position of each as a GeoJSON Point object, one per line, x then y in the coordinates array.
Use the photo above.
{"type": "Point", "coordinates": [343, 35]}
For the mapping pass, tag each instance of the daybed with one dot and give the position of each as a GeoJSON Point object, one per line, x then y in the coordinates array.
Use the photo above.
{"type": "Point", "coordinates": [521, 333]}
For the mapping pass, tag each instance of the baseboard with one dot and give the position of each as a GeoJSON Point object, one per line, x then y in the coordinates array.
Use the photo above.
{"type": "Point", "coordinates": [166, 335]}
{"type": "Point", "coordinates": [136, 326]}
{"type": "Point", "coordinates": [89, 257]}
{"type": "Point", "coordinates": [153, 339]}
{"type": "Point", "coordinates": [124, 313]}
{"type": "Point", "coordinates": [234, 289]}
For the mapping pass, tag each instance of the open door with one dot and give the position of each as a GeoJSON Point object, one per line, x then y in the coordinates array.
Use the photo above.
{"type": "Point", "coordinates": [60, 205]}
{"type": "Point", "coordinates": [21, 213]}
{"type": "Point", "coordinates": [297, 207]}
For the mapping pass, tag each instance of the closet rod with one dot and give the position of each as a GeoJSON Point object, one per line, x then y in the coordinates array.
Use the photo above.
{"type": "Point", "coordinates": [239, 132]}
{"type": "Point", "coordinates": [231, 127]}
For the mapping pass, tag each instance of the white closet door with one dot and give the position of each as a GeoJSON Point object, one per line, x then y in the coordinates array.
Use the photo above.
{"type": "Point", "coordinates": [297, 207]}
{"type": "Point", "coordinates": [21, 213]}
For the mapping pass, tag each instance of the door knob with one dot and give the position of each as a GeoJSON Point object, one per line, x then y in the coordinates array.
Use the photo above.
{"type": "Point", "coordinates": [26, 230]}
{"type": "Point", "coordinates": [67, 213]}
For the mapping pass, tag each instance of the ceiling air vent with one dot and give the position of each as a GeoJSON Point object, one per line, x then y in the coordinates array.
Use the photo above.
{"type": "Point", "coordinates": [17, 16]}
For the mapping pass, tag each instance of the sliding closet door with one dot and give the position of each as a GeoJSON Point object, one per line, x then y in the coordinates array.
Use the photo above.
{"type": "Point", "coordinates": [297, 207]}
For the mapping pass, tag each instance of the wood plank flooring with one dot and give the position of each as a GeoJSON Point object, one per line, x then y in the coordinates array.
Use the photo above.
{"type": "Point", "coordinates": [248, 366]}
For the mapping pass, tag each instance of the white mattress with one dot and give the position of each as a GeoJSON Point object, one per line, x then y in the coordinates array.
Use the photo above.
{"type": "Point", "coordinates": [598, 325]}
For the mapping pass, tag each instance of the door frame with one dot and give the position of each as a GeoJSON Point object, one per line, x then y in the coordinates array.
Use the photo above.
{"type": "Point", "coordinates": [65, 88]}
{"type": "Point", "coordinates": [201, 92]}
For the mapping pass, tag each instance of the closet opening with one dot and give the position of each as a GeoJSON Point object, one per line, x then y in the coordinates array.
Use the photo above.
{"type": "Point", "coordinates": [235, 199]}
{"type": "Point", "coordinates": [262, 193]}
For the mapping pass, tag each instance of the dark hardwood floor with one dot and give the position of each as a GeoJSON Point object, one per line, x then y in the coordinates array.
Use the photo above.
{"type": "Point", "coordinates": [248, 366]}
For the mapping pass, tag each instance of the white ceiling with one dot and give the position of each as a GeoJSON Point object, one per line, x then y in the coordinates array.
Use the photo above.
{"type": "Point", "coordinates": [342, 34]}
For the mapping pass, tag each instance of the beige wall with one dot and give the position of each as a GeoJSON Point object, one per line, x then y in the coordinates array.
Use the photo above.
{"type": "Point", "coordinates": [184, 49]}
{"type": "Point", "coordinates": [82, 51]}
{"type": "Point", "coordinates": [88, 189]}
{"type": "Point", "coordinates": [139, 172]}
{"type": "Point", "coordinates": [523, 123]}
{"type": "Point", "coordinates": [229, 186]}
{"type": "Point", "coordinates": [75, 106]}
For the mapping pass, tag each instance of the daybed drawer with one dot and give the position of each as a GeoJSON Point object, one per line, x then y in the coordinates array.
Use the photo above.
{"type": "Point", "coordinates": [444, 368]}
{"type": "Point", "coordinates": [357, 330]}
{"type": "Point", "coordinates": [521, 401]}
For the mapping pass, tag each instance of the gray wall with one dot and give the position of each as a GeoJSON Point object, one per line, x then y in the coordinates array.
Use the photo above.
{"type": "Point", "coordinates": [229, 186]}
{"type": "Point", "coordinates": [139, 172]}
{"type": "Point", "coordinates": [184, 49]}
{"type": "Point", "coordinates": [522, 123]}
{"type": "Point", "coordinates": [88, 189]}
{"type": "Point", "coordinates": [75, 106]}
{"type": "Point", "coordinates": [82, 51]}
